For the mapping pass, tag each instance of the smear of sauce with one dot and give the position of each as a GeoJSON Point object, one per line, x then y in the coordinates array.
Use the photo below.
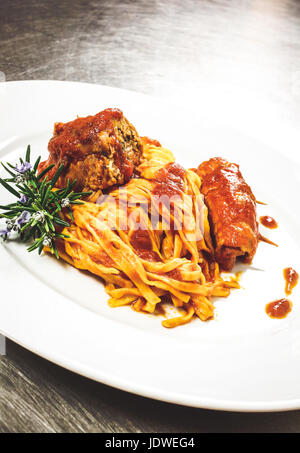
{"type": "Point", "coordinates": [268, 222]}
{"type": "Point", "coordinates": [279, 309]}
{"type": "Point", "coordinates": [291, 279]}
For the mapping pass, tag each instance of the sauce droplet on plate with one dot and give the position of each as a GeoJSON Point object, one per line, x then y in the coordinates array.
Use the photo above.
{"type": "Point", "coordinates": [279, 309]}
{"type": "Point", "coordinates": [268, 222]}
{"type": "Point", "coordinates": [291, 277]}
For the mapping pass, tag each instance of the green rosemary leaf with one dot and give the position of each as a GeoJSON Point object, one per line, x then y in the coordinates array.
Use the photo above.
{"type": "Point", "coordinates": [42, 186]}
{"type": "Point", "coordinates": [9, 188]}
{"type": "Point", "coordinates": [60, 222]}
{"type": "Point", "coordinates": [7, 207]}
{"type": "Point", "coordinates": [33, 184]}
{"type": "Point", "coordinates": [9, 179]}
{"type": "Point", "coordinates": [27, 225]}
{"type": "Point", "coordinates": [62, 193]}
{"type": "Point", "coordinates": [8, 171]}
{"type": "Point", "coordinates": [82, 194]}
{"type": "Point", "coordinates": [61, 235]}
{"type": "Point", "coordinates": [35, 206]}
{"type": "Point", "coordinates": [44, 172]}
{"type": "Point", "coordinates": [71, 214]}
{"type": "Point", "coordinates": [76, 196]}
{"type": "Point", "coordinates": [57, 175]}
{"type": "Point", "coordinates": [50, 216]}
{"type": "Point", "coordinates": [36, 164]}
{"type": "Point", "coordinates": [58, 206]}
{"type": "Point", "coordinates": [28, 154]}
{"type": "Point", "coordinates": [6, 215]}
{"type": "Point", "coordinates": [27, 208]}
{"type": "Point", "coordinates": [46, 194]}
{"type": "Point", "coordinates": [72, 184]}
{"type": "Point", "coordinates": [51, 226]}
{"type": "Point", "coordinates": [26, 191]}
{"type": "Point", "coordinates": [11, 214]}
{"type": "Point", "coordinates": [36, 244]}
{"type": "Point", "coordinates": [11, 166]}
{"type": "Point", "coordinates": [54, 248]}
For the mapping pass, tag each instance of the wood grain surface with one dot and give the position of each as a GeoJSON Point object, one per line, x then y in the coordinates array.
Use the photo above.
{"type": "Point", "coordinates": [240, 49]}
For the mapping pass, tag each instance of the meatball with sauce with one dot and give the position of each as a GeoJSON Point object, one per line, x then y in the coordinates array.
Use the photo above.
{"type": "Point", "coordinates": [98, 151]}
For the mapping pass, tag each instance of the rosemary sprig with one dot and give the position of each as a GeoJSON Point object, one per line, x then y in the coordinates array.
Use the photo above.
{"type": "Point", "coordinates": [35, 215]}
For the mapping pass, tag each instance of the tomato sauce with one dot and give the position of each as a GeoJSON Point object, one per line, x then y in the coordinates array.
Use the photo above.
{"type": "Point", "coordinates": [169, 181]}
{"type": "Point", "coordinates": [291, 279]}
{"type": "Point", "coordinates": [268, 222]}
{"type": "Point", "coordinates": [279, 309]}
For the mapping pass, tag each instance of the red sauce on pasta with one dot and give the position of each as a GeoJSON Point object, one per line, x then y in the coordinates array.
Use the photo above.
{"type": "Point", "coordinates": [279, 309]}
{"type": "Point", "coordinates": [169, 181]}
{"type": "Point", "coordinates": [103, 259]}
{"type": "Point", "coordinates": [175, 274]}
{"type": "Point", "coordinates": [291, 278]}
{"type": "Point", "coordinates": [268, 222]}
{"type": "Point", "coordinates": [147, 255]}
{"type": "Point", "coordinates": [140, 239]}
{"type": "Point", "coordinates": [141, 242]}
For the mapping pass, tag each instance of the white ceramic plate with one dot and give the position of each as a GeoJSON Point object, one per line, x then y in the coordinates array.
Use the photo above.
{"type": "Point", "coordinates": [241, 361]}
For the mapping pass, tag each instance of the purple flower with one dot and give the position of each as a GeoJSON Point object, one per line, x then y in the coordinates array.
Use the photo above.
{"type": "Point", "coordinates": [23, 198]}
{"type": "Point", "coordinates": [22, 168]}
{"type": "Point", "coordinates": [3, 233]}
{"type": "Point", "coordinates": [23, 218]}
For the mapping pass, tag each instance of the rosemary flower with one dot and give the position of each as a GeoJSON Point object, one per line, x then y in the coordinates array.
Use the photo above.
{"type": "Point", "coordinates": [4, 234]}
{"type": "Point", "coordinates": [39, 216]}
{"type": "Point", "coordinates": [47, 241]}
{"type": "Point", "coordinates": [23, 168]}
{"type": "Point", "coordinates": [41, 223]}
{"type": "Point", "coordinates": [65, 203]}
{"type": "Point", "coordinates": [23, 198]}
{"type": "Point", "coordinates": [23, 218]}
{"type": "Point", "coordinates": [9, 225]}
{"type": "Point", "coordinates": [19, 179]}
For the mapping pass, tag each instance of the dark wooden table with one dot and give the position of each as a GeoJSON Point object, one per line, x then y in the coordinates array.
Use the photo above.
{"type": "Point", "coordinates": [251, 49]}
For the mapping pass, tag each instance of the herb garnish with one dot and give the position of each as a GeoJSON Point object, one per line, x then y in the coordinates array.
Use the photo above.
{"type": "Point", "coordinates": [36, 214]}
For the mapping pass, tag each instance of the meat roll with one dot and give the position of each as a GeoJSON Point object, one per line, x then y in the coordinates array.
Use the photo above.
{"type": "Point", "coordinates": [98, 151]}
{"type": "Point", "coordinates": [232, 212]}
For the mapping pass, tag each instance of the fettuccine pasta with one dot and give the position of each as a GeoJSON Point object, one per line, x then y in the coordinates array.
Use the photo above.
{"type": "Point", "coordinates": [149, 251]}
